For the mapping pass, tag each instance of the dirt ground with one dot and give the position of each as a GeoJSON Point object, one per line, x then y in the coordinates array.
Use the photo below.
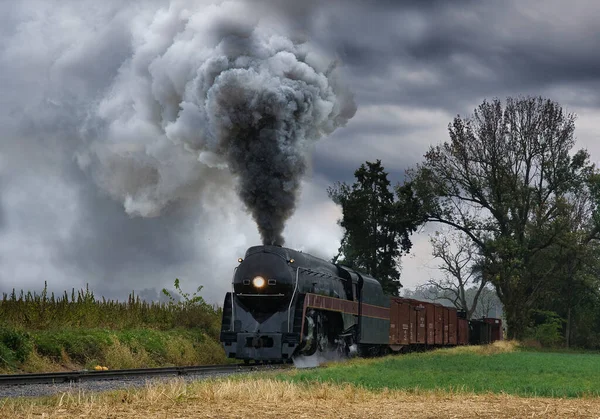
{"type": "Point", "coordinates": [272, 399]}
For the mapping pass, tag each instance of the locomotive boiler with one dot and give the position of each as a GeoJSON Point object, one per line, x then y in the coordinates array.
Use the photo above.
{"type": "Point", "coordinates": [286, 303]}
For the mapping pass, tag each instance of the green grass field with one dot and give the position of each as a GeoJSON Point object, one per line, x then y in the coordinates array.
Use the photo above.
{"type": "Point", "coordinates": [523, 373]}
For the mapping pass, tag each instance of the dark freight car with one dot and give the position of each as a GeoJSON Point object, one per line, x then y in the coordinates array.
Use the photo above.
{"type": "Point", "coordinates": [480, 332]}
{"type": "Point", "coordinates": [496, 328]}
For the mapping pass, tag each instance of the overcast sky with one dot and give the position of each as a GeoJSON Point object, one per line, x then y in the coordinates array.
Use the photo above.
{"type": "Point", "coordinates": [411, 65]}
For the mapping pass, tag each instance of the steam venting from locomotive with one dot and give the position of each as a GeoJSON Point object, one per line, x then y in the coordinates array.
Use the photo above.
{"type": "Point", "coordinates": [209, 87]}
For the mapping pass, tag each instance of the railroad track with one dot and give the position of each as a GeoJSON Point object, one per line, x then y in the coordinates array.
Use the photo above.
{"type": "Point", "coordinates": [85, 375]}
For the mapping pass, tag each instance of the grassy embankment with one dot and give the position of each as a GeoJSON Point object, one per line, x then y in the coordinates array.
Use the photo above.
{"type": "Point", "coordinates": [40, 332]}
{"type": "Point", "coordinates": [495, 381]}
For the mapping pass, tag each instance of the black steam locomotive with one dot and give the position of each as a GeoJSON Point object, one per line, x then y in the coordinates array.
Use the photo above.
{"type": "Point", "coordinates": [286, 303]}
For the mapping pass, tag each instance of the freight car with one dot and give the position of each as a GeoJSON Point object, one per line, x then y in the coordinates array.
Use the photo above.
{"type": "Point", "coordinates": [286, 303]}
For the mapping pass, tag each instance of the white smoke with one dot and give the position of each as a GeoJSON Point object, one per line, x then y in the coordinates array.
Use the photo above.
{"type": "Point", "coordinates": [208, 92]}
{"type": "Point", "coordinates": [103, 94]}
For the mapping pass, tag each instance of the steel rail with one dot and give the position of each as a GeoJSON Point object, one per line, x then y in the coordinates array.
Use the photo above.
{"type": "Point", "coordinates": [87, 375]}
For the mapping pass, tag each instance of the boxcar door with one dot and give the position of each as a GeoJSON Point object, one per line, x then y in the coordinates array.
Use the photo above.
{"type": "Point", "coordinates": [430, 321]}
{"type": "Point", "coordinates": [452, 332]}
{"type": "Point", "coordinates": [446, 321]}
{"type": "Point", "coordinates": [439, 325]}
{"type": "Point", "coordinates": [412, 327]}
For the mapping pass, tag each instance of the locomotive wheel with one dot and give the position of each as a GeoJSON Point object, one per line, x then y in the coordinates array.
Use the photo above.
{"type": "Point", "coordinates": [321, 334]}
{"type": "Point", "coordinates": [311, 334]}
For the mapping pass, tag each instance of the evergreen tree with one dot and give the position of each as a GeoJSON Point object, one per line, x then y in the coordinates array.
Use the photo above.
{"type": "Point", "coordinates": [372, 238]}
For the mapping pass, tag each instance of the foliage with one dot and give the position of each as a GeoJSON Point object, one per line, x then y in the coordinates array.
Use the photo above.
{"type": "Point", "coordinates": [32, 311]}
{"type": "Point", "coordinates": [134, 348]}
{"type": "Point", "coordinates": [547, 328]}
{"type": "Point", "coordinates": [509, 180]}
{"type": "Point", "coordinates": [488, 305]}
{"type": "Point", "coordinates": [80, 328]}
{"type": "Point", "coordinates": [16, 341]}
{"type": "Point", "coordinates": [524, 373]}
{"type": "Point", "coordinates": [189, 300]}
{"type": "Point", "coordinates": [374, 236]}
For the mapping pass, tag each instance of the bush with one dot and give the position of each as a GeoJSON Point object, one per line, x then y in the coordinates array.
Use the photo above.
{"type": "Point", "coordinates": [17, 342]}
{"type": "Point", "coordinates": [80, 345]}
{"type": "Point", "coordinates": [7, 357]}
{"type": "Point", "coordinates": [547, 328]}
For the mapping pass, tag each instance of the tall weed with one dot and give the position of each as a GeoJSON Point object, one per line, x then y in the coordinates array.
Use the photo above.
{"type": "Point", "coordinates": [81, 309]}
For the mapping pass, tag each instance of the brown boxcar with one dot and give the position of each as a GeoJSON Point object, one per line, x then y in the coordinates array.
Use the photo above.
{"type": "Point", "coordinates": [418, 322]}
{"type": "Point", "coordinates": [446, 312]}
{"type": "Point", "coordinates": [399, 322]}
{"type": "Point", "coordinates": [452, 317]}
{"type": "Point", "coordinates": [463, 331]}
{"type": "Point", "coordinates": [439, 324]}
{"type": "Point", "coordinates": [430, 320]}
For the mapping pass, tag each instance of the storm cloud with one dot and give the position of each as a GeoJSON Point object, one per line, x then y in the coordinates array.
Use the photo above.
{"type": "Point", "coordinates": [135, 211]}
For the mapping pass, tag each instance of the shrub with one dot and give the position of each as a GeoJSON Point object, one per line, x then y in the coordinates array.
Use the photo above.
{"type": "Point", "coordinates": [18, 342]}
{"type": "Point", "coordinates": [547, 328]}
{"type": "Point", "coordinates": [7, 357]}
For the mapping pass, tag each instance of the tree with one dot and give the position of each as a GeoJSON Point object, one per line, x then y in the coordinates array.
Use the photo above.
{"type": "Point", "coordinates": [504, 180]}
{"type": "Point", "coordinates": [575, 281]}
{"type": "Point", "coordinates": [460, 272]}
{"type": "Point", "coordinates": [373, 236]}
{"type": "Point", "coordinates": [488, 303]}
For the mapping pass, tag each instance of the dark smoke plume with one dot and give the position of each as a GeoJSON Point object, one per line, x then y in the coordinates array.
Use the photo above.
{"type": "Point", "coordinates": [264, 112]}
{"type": "Point", "coordinates": [228, 93]}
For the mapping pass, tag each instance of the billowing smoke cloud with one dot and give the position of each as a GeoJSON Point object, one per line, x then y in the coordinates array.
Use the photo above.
{"type": "Point", "coordinates": [205, 95]}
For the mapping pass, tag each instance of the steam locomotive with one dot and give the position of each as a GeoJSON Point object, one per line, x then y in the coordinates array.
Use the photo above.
{"type": "Point", "coordinates": [287, 303]}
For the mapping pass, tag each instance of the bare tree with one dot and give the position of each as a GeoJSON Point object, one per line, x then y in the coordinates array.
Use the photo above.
{"type": "Point", "coordinates": [459, 267]}
{"type": "Point", "coordinates": [488, 303]}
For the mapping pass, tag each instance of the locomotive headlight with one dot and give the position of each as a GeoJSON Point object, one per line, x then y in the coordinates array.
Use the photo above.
{"type": "Point", "coordinates": [259, 281]}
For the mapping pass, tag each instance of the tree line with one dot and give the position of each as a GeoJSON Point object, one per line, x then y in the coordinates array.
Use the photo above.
{"type": "Point", "coordinates": [517, 211]}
